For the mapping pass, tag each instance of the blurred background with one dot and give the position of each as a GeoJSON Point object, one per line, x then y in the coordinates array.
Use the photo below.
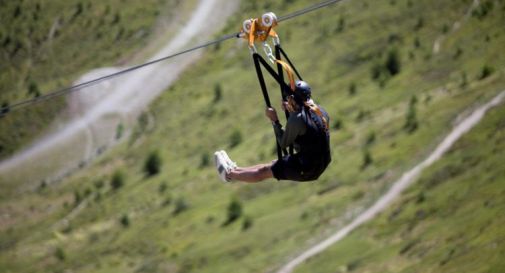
{"type": "Point", "coordinates": [119, 177]}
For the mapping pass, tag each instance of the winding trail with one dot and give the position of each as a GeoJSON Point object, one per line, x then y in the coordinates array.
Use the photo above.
{"type": "Point", "coordinates": [401, 184]}
{"type": "Point", "coordinates": [455, 27]}
{"type": "Point", "coordinates": [98, 110]}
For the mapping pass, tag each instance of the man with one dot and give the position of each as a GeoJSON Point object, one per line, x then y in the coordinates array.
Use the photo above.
{"type": "Point", "coordinates": [306, 129]}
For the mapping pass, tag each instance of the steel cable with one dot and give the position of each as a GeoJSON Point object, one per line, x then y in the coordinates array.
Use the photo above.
{"type": "Point", "coordinates": [5, 109]}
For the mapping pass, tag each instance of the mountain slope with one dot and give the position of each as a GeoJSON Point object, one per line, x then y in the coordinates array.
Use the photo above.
{"type": "Point", "coordinates": [46, 45]}
{"type": "Point", "coordinates": [174, 221]}
{"type": "Point", "coordinates": [450, 221]}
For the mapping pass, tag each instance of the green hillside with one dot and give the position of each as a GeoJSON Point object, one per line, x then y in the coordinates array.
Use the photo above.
{"type": "Point", "coordinates": [46, 45]}
{"type": "Point", "coordinates": [450, 221]}
{"type": "Point", "coordinates": [391, 100]}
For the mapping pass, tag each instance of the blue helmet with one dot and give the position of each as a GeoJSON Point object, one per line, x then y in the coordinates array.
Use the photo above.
{"type": "Point", "coordinates": [302, 92]}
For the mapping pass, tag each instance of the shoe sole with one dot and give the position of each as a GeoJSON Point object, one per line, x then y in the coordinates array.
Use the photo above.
{"type": "Point", "coordinates": [221, 166]}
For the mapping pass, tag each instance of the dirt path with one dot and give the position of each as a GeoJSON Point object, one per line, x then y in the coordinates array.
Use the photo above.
{"type": "Point", "coordinates": [406, 180]}
{"type": "Point", "coordinates": [455, 27]}
{"type": "Point", "coordinates": [98, 110]}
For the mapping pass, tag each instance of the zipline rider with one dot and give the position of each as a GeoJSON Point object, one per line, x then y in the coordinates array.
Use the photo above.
{"type": "Point", "coordinates": [306, 129]}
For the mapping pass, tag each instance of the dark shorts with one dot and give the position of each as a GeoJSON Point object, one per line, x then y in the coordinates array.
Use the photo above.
{"type": "Point", "coordinates": [294, 168]}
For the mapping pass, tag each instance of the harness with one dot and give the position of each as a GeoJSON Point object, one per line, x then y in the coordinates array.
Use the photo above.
{"type": "Point", "coordinates": [259, 30]}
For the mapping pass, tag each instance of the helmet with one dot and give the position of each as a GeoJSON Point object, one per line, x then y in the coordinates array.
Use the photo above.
{"type": "Point", "coordinates": [302, 92]}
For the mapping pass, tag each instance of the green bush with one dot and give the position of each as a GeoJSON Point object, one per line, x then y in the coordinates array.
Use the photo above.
{"type": "Point", "coordinates": [464, 80]}
{"type": "Point", "coordinates": [483, 9]}
{"type": "Point", "coordinates": [59, 253]}
{"type": "Point", "coordinates": [204, 160]}
{"type": "Point", "coordinates": [4, 108]}
{"type": "Point", "coordinates": [337, 124]}
{"type": "Point", "coordinates": [180, 206]}
{"type": "Point", "coordinates": [119, 131]}
{"type": "Point", "coordinates": [393, 65]}
{"type": "Point", "coordinates": [33, 89]}
{"type": "Point", "coordinates": [217, 92]}
{"type": "Point", "coordinates": [77, 198]}
{"type": "Point", "coordinates": [486, 72]}
{"type": "Point", "coordinates": [247, 223]}
{"type": "Point", "coordinates": [125, 221]}
{"type": "Point", "coordinates": [411, 123]}
{"type": "Point", "coordinates": [419, 24]}
{"type": "Point", "coordinates": [234, 212]}
{"type": "Point", "coordinates": [352, 89]}
{"type": "Point", "coordinates": [118, 179]}
{"type": "Point", "coordinates": [340, 25]}
{"type": "Point", "coordinates": [367, 158]}
{"type": "Point", "coordinates": [152, 164]}
{"type": "Point", "coordinates": [235, 138]}
{"type": "Point", "coordinates": [162, 187]}
{"type": "Point", "coordinates": [370, 139]}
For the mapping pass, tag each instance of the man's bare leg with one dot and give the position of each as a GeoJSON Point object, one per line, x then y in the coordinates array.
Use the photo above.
{"type": "Point", "coordinates": [252, 174]}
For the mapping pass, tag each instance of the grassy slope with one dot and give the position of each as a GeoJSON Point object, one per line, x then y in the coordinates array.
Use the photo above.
{"type": "Point", "coordinates": [186, 126]}
{"type": "Point", "coordinates": [45, 45]}
{"type": "Point", "coordinates": [450, 221]}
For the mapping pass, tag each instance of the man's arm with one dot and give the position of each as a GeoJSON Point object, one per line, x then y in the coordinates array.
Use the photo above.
{"type": "Point", "coordinates": [294, 127]}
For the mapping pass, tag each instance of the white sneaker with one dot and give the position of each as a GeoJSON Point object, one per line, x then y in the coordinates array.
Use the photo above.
{"type": "Point", "coordinates": [222, 166]}
{"type": "Point", "coordinates": [232, 164]}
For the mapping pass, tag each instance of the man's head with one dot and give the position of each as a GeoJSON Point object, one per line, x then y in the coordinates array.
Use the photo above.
{"type": "Point", "coordinates": [302, 92]}
{"type": "Point", "coordinates": [298, 97]}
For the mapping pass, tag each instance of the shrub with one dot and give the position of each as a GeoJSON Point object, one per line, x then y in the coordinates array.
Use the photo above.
{"type": "Point", "coordinates": [464, 80]}
{"type": "Point", "coordinates": [370, 139]}
{"type": "Point", "coordinates": [235, 138]}
{"type": "Point", "coordinates": [417, 42]}
{"type": "Point", "coordinates": [119, 131]}
{"type": "Point", "coordinates": [77, 197]}
{"type": "Point", "coordinates": [117, 18]}
{"type": "Point", "coordinates": [118, 179]}
{"type": "Point", "coordinates": [5, 108]}
{"type": "Point", "coordinates": [234, 212]}
{"type": "Point", "coordinates": [411, 123]}
{"type": "Point", "coordinates": [458, 53]}
{"type": "Point", "coordinates": [376, 71]}
{"type": "Point", "coordinates": [99, 184]}
{"type": "Point", "coordinates": [419, 24]}
{"type": "Point", "coordinates": [483, 9]}
{"type": "Point", "coordinates": [17, 11]}
{"type": "Point", "coordinates": [247, 223]}
{"type": "Point", "coordinates": [180, 206]}
{"type": "Point", "coordinates": [152, 165]}
{"type": "Point", "coordinates": [445, 28]}
{"type": "Point", "coordinates": [341, 24]}
{"type": "Point", "coordinates": [217, 92]}
{"type": "Point", "coordinates": [162, 187]}
{"type": "Point", "coordinates": [337, 124]}
{"type": "Point", "coordinates": [125, 221]}
{"type": "Point", "coordinates": [59, 253]}
{"type": "Point", "coordinates": [352, 89]}
{"type": "Point", "coordinates": [367, 159]}
{"type": "Point", "coordinates": [486, 72]}
{"type": "Point", "coordinates": [393, 62]}
{"type": "Point", "coordinates": [78, 10]}
{"type": "Point", "coordinates": [204, 160]}
{"type": "Point", "coordinates": [33, 89]}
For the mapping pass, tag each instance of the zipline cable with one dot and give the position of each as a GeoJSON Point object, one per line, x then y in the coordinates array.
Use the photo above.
{"type": "Point", "coordinates": [70, 89]}
{"type": "Point", "coordinates": [308, 9]}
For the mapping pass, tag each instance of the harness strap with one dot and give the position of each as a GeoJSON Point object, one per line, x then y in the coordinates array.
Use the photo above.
{"type": "Point", "coordinates": [316, 110]}
{"type": "Point", "coordinates": [289, 71]}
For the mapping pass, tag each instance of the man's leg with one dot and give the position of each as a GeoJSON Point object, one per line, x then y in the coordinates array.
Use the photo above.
{"type": "Point", "coordinates": [252, 174]}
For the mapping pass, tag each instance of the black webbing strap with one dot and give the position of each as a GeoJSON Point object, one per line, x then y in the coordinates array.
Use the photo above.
{"type": "Point", "coordinates": [257, 61]}
{"type": "Point", "coordinates": [279, 77]}
{"type": "Point", "coordinates": [283, 93]}
{"type": "Point", "coordinates": [279, 48]}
